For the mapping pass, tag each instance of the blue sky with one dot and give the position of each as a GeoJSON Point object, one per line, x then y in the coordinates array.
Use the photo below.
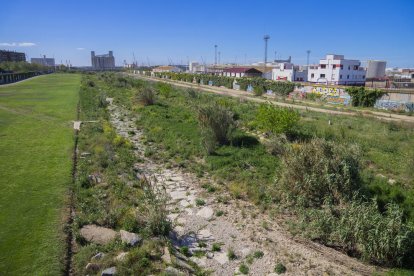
{"type": "Point", "coordinates": [157, 31]}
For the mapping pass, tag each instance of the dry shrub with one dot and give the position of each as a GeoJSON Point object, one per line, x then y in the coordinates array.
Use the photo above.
{"type": "Point", "coordinates": [217, 125]}
{"type": "Point", "coordinates": [146, 96]}
{"type": "Point", "coordinates": [319, 170]}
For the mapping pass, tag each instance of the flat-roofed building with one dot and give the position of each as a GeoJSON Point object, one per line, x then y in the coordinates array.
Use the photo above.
{"type": "Point", "coordinates": [335, 69]}
{"type": "Point", "coordinates": [11, 56]}
{"type": "Point", "coordinates": [50, 62]}
{"type": "Point", "coordinates": [103, 62]}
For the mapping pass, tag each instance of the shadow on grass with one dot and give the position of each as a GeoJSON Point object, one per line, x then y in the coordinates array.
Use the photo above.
{"type": "Point", "coordinates": [244, 141]}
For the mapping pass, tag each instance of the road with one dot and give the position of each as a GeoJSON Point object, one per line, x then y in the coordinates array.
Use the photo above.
{"type": "Point", "coordinates": [244, 95]}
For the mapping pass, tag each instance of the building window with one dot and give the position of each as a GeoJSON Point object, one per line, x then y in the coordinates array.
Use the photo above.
{"type": "Point", "coordinates": [334, 66]}
{"type": "Point", "coordinates": [347, 77]}
{"type": "Point", "coordinates": [363, 76]}
{"type": "Point", "coordinates": [323, 66]}
{"type": "Point", "coordinates": [349, 67]}
{"type": "Point", "coordinates": [340, 76]}
{"type": "Point", "coordinates": [356, 67]}
{"type": "Point", "coordinates": [322, 75]}
{"type": "Point", "coordinates": [312, 75]}
{"type": "Point", "coordinates": [342, 66]}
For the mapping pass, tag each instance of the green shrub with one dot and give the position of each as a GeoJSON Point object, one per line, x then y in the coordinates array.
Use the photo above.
{"type": "Point", "coordinates": [258, 254]}
{"type": "Point", "coordinates": [360, 228]}
{"type": "Point", "coordinates": [319, 170]}
{"type": "Point", "coordinates": [164, 89]}
{"type": "Point", "coordinates": [280, 268]}
{"type": "Point", "coordinates": [244, 269]}
{"type": "Point", "coordinates": [146, 96]}
{"type": "Point", "coordinates": [258, 90]}
{"type": "Point", "coordinates": [364, 97]}
{"type": "Point", "coordinates": [154, 212]}
{"type": "Point", "coordinates": [276, 120]}
{"type": "Point", "coordinates": [231, 254]}
{"type": "Point", "coordinates": [185, 251]}
{"type": "Point", "coordinates": [200, 202]}
{"type": "Point", "coordinates": [216, 247]}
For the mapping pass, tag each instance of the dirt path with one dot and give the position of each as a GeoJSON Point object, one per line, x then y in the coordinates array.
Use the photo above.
{"type": "Point", "coordinates": [241, 228]}
{"type": "Point", "coordinates": [242, 94]}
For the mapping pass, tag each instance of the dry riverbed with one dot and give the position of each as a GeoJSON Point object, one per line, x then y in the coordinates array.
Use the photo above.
{"type": "Point", "coordinates": [201, 219]}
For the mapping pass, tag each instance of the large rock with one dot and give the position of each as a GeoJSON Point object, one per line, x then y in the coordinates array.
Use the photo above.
{"type": "Point", "coordinates": [121, 256]}
{"type": "Point", "coordinates": [97, 234]}
{"type": "Point", "coordinates": [92, 268]}
{"type": "Point", "coordinates": [205, 212]}
{"type": "Point", "coordinates": [109, 271]}
{"type": "Point", "coordinates": [130, 238]}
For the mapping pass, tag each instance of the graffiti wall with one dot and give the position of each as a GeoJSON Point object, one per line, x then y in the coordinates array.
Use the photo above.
{"type": "Point", "coordinates": [332, 95]}
{"type": "Point", "coordinates": [395, 105]}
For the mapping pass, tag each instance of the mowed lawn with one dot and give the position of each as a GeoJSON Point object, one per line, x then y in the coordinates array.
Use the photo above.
{"type": "Point", "coordinates": [36, 145]}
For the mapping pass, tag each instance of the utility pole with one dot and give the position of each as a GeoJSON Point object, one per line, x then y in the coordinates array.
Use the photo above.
{"type": "Point", "coordinates": [266, 38]}
{"type": "Point", "coordinates": [307, 59]}
{"type": "Point", "coordinates": [219, 55]}
{"type": "Point", "coordinates": [215, 55]}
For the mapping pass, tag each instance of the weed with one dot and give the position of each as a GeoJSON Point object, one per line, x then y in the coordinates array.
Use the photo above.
{"type": "Point", "coordinates": [231, 254]}
{"type": "Point", "coordinates": [216, 247]}
{"type": "Point", "coordinates": [280, 268]}
{"type": "Point", "coordinates": [244, 269]}
{"type": "Point", "coordinates": [219, 213]}
{"type": "Point", "coordinates": [200, 202]}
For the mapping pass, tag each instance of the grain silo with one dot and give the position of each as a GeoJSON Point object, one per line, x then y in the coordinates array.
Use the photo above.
{"type": "Point", "coordinates": [375, 69]}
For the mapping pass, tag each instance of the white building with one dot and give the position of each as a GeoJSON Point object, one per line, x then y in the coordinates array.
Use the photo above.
{"type": "Point", "coordinates": [43, 61]}
{"type": "Point", "coordinates": [289, 72]}
{"type": "Point", "coordinates": [335, 69]}
{"type": "Point", "coordinates": [195, 67]}
{"type": "Point", "coordinates": [162, 69]}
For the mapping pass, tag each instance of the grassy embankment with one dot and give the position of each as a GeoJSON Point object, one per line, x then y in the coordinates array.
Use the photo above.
{"type": "Point", "coordinates": [247, 169]}
{"type": "Point", "coordinates": [36, 147]}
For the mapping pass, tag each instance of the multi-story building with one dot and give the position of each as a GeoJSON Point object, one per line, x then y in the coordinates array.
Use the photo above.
{"type": "Point", "coordinates": [50, 62]}
{"type": "Point", "coordinates": [289, 72]}
{"type": "Point", "coordinates": [335, 69]}
{"type": "Point", "coordinates": [11, 56]}
{"type": "Point", "coordinates": [103, 62]}
{"type": "Point", "coordinates": [376, 69]}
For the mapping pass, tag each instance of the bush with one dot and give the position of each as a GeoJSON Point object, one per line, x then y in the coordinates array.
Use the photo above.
{"type": "Point", "coordinates": [360, 229]}
{"type": "Point", "coordinates": [165, 89]}
{"type": "Point", "coordinates": [216, 247]}
{"type": "Point", "coordinates": [318, 171]}
{"type": "Point", "coordinates": [244, 269]}
{"type": "Point", "coordinates": [258, 90]}
{"type": "Point", "coordinates": [276, 145]}
{"type": "Point", "coordinates": [231, 254]}
{"type": "Point", "coordinates": [280, 268]}
{"type": "Point", "coordinates": [276, 120]}
{"type": "Point", "coordinates": [217, 125]}
{"type": "Point", "coordinates": [381, 239]}
{"type": "Point", "coordinates": [364, 97]}
{"type": "Point", "coordinates": [146, 96]}
{"type": "Point", "coordinates": [154, 212]}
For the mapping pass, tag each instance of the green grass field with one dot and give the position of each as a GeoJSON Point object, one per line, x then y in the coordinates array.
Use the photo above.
{"type": "Point", "coordinates": [36, 144]}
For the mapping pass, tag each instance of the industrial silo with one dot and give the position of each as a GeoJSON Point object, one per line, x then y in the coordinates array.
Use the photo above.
{"type": "Point", "coordinates": [375, 69]}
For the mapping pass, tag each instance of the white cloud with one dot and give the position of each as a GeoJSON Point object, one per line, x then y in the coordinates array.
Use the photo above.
{"type": "Point", "coordinates": [18, 44]}
{"type": "Point", "coordinates": [80, 49]}
{"type": "Point", "coordinates": [26, 44]}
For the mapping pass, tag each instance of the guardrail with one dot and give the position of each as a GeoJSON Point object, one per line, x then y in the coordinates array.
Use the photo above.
{"type": "Point", "coordinates": [6, 78]}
